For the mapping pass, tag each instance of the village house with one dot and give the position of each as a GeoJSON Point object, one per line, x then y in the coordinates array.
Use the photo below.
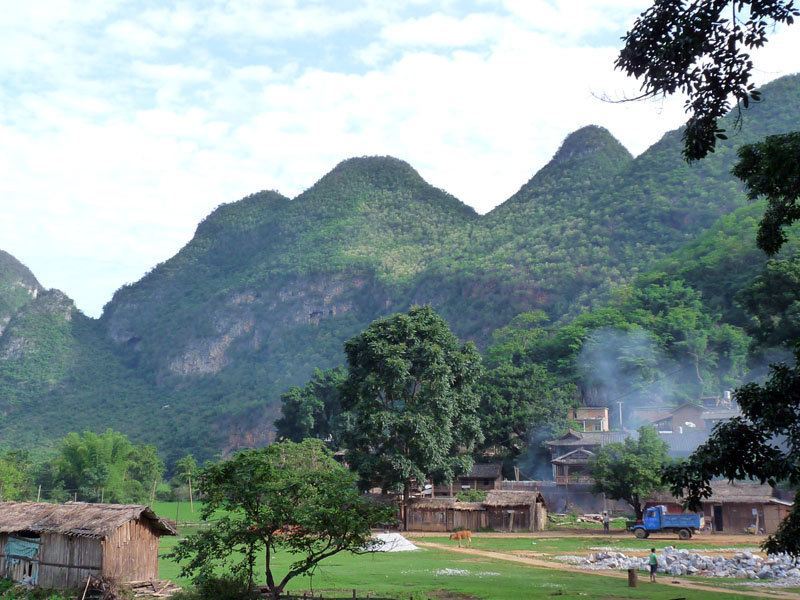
{"type": "Point", "coordinates": [572, 453]}
{"type": "Point", "coordinates": [59, 545]}
{"type": "Point", "coordinates": [482, 476]}
{"type": "Point", "coordinates": [501, 511]}
{"type": "Point", "coordinates": [590, 418]}
{"type": "Point", "coordinates": [735, 507]}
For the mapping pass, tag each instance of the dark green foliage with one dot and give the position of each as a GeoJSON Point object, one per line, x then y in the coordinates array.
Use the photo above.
{"type": "Point", "coordinates": [313, 410]}
{"type": "Point", "coordinates": [105, 467]}
{"type": "Point", "coordinates": [773, 301]}
{"type": "Point", "coordinates": [762, 445]}
{"type": "Point", "coordinates": [471, 496]}
{"type": "Point", "coordinates": [771, 169]}
{"type": "Point", "coordinates": [514, 400]}
{"type": "Point", "coordinates": [287, 497]}
{"type": "Point", "coordinates": [699, 48]}
{"type": "Point", "coordinates": [410, 401]}
{"type": "Point", "coordinates": [631, 471]}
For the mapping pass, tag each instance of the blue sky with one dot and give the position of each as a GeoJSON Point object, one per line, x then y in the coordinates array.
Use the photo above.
{"type": "Point", "coordinates": [123, 124]}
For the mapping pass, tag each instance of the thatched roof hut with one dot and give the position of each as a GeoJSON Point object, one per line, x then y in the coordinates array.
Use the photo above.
{"type": "Point", "coordinates": [60, 545]}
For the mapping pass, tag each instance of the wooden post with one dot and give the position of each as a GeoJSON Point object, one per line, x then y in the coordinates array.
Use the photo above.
{"type": "Point", "coordinates": [633, 578]}
{"type": "Point", "coordinates": [39, 493]}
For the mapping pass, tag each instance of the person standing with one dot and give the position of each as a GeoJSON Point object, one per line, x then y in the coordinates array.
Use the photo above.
{"type": "Point", "coordinates": [606, 522]}
{"type": "Point", "coordinates": [653, 565]}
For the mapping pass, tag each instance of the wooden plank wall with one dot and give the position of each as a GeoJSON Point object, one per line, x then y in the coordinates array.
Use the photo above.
{"type": "Point", "coordinates": [131, 553]}
{"type": "Point", "coordinates": [66, 562]}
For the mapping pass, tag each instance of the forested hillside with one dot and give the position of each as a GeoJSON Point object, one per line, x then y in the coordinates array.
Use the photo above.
{"type": "Point", "coordinates": [196, 354]}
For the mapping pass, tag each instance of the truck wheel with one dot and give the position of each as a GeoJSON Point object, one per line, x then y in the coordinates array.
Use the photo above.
{"type": "Point", "coordinates": [684, 534]}
{"type": "Point", "coordinates": [641, 534]}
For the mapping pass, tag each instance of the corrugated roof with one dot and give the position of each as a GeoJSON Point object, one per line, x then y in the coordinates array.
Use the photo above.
{"type": "Point", "coordinates": [686, 442]}
{"type": "Point", "coordinates": [78, 519]}
{"type": "Point", "coordinates": [484, 471]}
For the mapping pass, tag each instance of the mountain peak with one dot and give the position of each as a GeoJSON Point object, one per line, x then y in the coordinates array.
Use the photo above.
{"type": "Point", "coordinates": [380, 171]}
{"type": "Point", "coordinates": [588, 141]}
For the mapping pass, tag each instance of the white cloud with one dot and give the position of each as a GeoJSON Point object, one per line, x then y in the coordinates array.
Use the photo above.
{"type": "Point", "coordinates": [109, 159]}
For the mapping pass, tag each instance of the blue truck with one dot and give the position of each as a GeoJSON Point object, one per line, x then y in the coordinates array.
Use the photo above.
{"type": "Point", "coordinates": [658, 520]}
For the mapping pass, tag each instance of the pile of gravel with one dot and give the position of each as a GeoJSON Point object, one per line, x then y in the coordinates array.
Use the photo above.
{"type": "Point", "coordinates": [390, 542]}
{"type": "Point", "coordinates": [682, 562]}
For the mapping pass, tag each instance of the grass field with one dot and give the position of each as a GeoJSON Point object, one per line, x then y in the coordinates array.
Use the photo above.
{"type": "Point", "coordinates": [429, 573]}
{"type": "Point", "coordinates": [570, 545]}
{"type": "Point", "coordinates": [439, 574]}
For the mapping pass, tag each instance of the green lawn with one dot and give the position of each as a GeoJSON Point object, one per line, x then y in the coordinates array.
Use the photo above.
{"type": "Point", "coordinates": [569, 545]}
{"type": "Point", "coordinates": [178, 511]}
{"type": "Point", "coordinates": [424, 573]}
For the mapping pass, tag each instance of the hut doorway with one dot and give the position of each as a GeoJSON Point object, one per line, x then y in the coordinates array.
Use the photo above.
{"type": "Point", "coordinates": [718, 518]}
{"type": "Point", "coordinates": [21, 557]}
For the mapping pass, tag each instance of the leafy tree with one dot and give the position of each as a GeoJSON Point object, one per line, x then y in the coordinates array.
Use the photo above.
{"type": "Point", "coordinates": [691, 48]}
{"type": "Point", "coordinates": [410, 401]}
{"type": "Point", "coordinates": [699, 48]}
{"type": "Point", "coordinates": [772, 169]}
{"type": "Point", "coordinates": [514, 400]}
{"type": "Point", "coordinates": [763, 444]}
{"type": "Point", "coordinates": [185, 472]}
{"type": "Point", "coordinates": [631, 470]}
{"type": "Point", "coordinates": [106, 466]}
{"type": "Point", "coordinates": [15, 476]}
{"type": "Point", "coordinates": [287, 497]}
{"type": "Point", "coordinates": [773, 301]}
{"type": "Point", "coordinates": [314, 409]}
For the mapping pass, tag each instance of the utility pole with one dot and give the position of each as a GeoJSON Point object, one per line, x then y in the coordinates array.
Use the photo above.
{"type": "Point", "coordinates": [620, 416]}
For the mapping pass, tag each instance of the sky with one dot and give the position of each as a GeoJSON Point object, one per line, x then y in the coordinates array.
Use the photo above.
{"type": "Point", "coordinates": [123, 124]}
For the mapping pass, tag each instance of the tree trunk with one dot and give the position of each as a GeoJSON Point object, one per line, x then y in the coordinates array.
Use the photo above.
{"type": "Point", "coordinates": [406, 498]}
{"type": "Point", "coordinates": [191, 503]}
{"type": "Point", "coordinates": [637, 506]}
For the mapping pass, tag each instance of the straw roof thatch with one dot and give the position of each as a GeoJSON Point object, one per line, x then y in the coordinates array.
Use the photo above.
{"type": "Point", "coordinates": [445, 503]}
{"type": "Point", "coordinates": [723, 492]}
{"type": "Point", "coordinates": [512, 498]}
{"type": "Point", "coordinates": [78, 519]}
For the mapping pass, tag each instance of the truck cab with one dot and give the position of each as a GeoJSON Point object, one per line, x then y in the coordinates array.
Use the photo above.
{"type": "Point", "coordinates": [657, 520]}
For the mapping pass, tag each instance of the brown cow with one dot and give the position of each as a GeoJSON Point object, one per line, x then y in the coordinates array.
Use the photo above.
{"type": "Point", "coordinates": [464, 534]}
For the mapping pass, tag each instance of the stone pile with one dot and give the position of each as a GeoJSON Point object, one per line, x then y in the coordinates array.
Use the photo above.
{"type": "Point", "coordinates": [682, 562]}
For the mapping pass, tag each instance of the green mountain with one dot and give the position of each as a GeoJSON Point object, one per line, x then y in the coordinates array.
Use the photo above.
{"type": "Point", "coordinates": [195, 355]}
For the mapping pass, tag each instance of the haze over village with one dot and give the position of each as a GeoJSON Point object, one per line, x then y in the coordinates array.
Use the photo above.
{"type": "Point", "coordinates": [447, 299]}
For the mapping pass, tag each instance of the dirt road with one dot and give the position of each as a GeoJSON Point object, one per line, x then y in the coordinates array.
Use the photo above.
{"type": "Point", "coordinates": [705, 539]}
{"type": "Point", "coordinates": [546, 564]}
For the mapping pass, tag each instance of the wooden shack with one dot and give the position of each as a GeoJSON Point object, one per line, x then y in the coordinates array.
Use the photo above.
{"type": "Point", "coordinates": [445, 514]}
{"type": "Point", "coordinates": [59, 545]}
{"type": "Point", "coordinates": [501, 510]}
{"type": "Point", "coordinates": [735, 507]}
{"type": "Point", "coordinates": [508, 510]}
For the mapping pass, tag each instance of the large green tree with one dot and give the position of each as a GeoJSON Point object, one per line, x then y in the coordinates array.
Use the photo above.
{"type": "Point", "coordinates": [691, 47]}
{"type": "Point", "coordinates": [15, 476]}
{"type": "Point", "coordinates": [516, 400]}
{"type": "Point", "coordinates": [773, 301]}
{"type": "Point", "coordinates": [314, 409]}
{"type": "Point", "coordinates": [287, 497]}
{"type": "Point", "coordinates": [106, 466]}
{"type": "Point", "coordinates": [631, 470]}
{"type": "Point", "coordinates": [410, 401]}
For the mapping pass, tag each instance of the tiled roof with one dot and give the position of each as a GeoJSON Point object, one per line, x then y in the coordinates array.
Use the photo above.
{"type": "Point", "coordinates": [484, 471]}
{"type": "Point", "coordinates": [591, 438]}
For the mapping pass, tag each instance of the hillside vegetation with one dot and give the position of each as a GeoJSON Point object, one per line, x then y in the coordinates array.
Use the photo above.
{"type": "Point", "coordinates": [196, 354]}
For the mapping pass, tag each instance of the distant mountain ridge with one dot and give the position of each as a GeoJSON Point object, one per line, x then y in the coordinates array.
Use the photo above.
{"type": "Point", "coordinates": [195, 355]}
